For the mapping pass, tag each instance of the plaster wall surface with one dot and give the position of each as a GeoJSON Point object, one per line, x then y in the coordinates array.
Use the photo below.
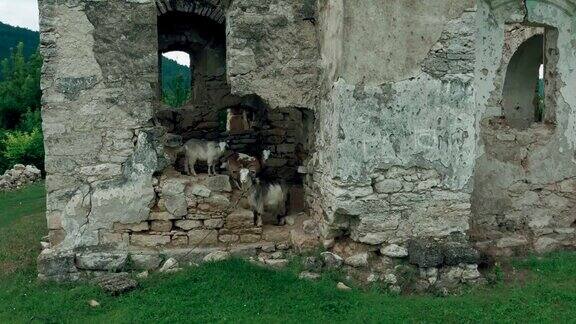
{"type": "Point", "coordinates": [396, 141]}
{"type": "Point", "coordinates": [523, 194]}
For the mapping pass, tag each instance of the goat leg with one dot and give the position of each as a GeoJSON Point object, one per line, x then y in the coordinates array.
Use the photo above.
{"type": "Point", "coordinates": [281, 220]}
{"type": "Point", "coordinates": [258, 219]}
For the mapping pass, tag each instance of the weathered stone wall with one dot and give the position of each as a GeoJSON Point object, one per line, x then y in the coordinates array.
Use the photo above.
{"type": "Point", "coordinates": [99, 81]}
{"type": "Point", "coordinates": [390, 107]}
{"type": "Point", "coordinates": [523, 193]}
{"type": "Point", "coordinates": [273, 52]}
{"type": "Point", "coordinates": [396, 140]}
{"type": "Point", "coordinates": [108, 169]}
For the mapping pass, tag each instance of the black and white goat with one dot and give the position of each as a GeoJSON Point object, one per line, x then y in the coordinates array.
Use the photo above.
{"type": "Point", "coordinates": [199, 150]}
{"type": "Point", "coordinates": [239, 161]}
{"type": "Point", "coordinates": [267, 199]}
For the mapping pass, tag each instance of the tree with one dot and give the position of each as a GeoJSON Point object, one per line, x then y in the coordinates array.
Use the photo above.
{"type": "Point", "coordinates": [178, 93]}
{"type": "Point", "coordinates": [20, 123]}
{"type": "Point", "coordinates": [20, 87]}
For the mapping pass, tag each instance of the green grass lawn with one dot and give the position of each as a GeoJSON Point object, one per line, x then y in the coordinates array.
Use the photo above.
{"type": "Point", "coordinates": [236, 291]}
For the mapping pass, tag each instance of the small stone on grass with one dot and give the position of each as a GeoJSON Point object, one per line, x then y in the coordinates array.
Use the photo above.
{"type": "Point", "coordinates": [342, 286]}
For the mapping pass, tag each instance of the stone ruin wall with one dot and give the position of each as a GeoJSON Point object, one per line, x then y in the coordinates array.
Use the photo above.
{"type": "Point", "coordinates": [398, 158]}
{"type": "Point", "coordinates": [524, 193]}
{"type": "Point", "coordinates": [397, 136]}
{"type": "Point", "coordinates": [111, 190]}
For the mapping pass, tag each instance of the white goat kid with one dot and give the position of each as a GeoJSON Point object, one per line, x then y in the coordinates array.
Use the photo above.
{"type": "Point", "coordinates": [265, 199]}
{"type": "Point", "coordinates": [199, 150]}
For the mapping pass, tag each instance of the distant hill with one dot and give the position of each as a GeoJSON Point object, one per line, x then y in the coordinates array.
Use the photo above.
{"type": "Point", "coordinates": [10, 36]}
{"type": "Point", "coordinates": [170, 70]}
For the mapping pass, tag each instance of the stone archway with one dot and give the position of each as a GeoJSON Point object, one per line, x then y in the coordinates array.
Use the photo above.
{"type": "Point", "coordinates": [519, 96]}
{"type": "Point", "coordinates": [213, 9]}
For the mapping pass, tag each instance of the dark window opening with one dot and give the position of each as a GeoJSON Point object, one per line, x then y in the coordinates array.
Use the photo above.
{"type": "Point", "coordinates": [528, 94]}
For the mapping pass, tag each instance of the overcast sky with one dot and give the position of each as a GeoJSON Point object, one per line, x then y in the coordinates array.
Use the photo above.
{"type": "Point", "coordinates": [21, 13]}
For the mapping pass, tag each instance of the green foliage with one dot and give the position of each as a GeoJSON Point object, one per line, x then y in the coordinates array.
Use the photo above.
{"type": "Point", "coordinates": [20, 88]}
{"type": "Point", "coordinates": [4, 164]}
{"type": "Point", "coordinates": [176, 81]}
{"type": "Point", "coordinates": [495, 275]}
{"type": "Point", "coordinates": [178, 93]}
{"type": "Point", "coordinates": [171, 69]}
{"type": "Point", "coordinates": [24, 148]}
{"type": "Point", "coordinates": [20, 121]}
{"type": "Point", "coordinates": [11, 36]}
{"type": "Point", "coordinates": [30, 121]}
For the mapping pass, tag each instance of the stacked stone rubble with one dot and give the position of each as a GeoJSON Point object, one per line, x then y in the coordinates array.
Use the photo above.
{"type": "Point", "coordinates": [19, 176]}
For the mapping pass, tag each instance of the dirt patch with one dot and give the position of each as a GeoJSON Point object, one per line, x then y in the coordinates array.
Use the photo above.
{"type": "Point", "coordinates": [8, 267]}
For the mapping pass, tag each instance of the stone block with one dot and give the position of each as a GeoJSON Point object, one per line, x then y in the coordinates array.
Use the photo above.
{"type": "Point", "coordinates": [113, 238]}
{"type": "Point", "coordinates": [202, 237]}
{"type": "Point", "coordinates": [161, 226]}
{"type": "Point", "coordinates": [250, 238]}
{"type": "Point", "coordinates": [101, 261]}
{"type": "Point", "coordinates": [388, 186]}
{"type": "Point", "coordinates": [217, 256]}
{"type": "Point", "coordinates": [149, 240]}
{"type": "Point", "coordinates": [244, 250]}
{"type": "Point", "coordinates": [332, 260]}
{"type": "Point", "coordinates": [56, 237]}
{"type": "Point", "coordinates": [215, 223]}
{"type": "Point", "coordinates": [512, 241]}
{"type": "Point", "coordinates": [456, 253]}
{"type": "Point", "coordinates": [146, 261]}
{"type": "Point", "coordinates": [546, 244]}
{"type": "Point", "coordinates": [425, 253]}
{"type": "Point", "coordinates": [188, 224]}
{"type": "Point", "coordinates": [218, 202]}
{"type": "Point", "coordinates": [302, 241]}
{"type": "Point", "coordinates": [136, 227]}
{"type": "Point", "coordinates": [163, 216]}
{"type": "Point", "coordinates": [54, 221]}
{"type": "Point", "coordinates": [394, 251]}
{"type": "Point", "coordinates": [218, 183]}
{"type": "Point", "coordinates": [116, 283]}
{"type": "Point", "coordinates": [357, 260]}
{"type": "Point", "coordinates": [176, 205]}
{"type": "Point", "coordinates": [228, 238]}
{"type": "Point", "coordinates": [275, 234]}
{"type": "Point", "coordinates": [179, 240]}
{"type": "Point", "coordinates": [199, 191]}
{"type": "Point", "coordinates": [56, 265]}
{"type": "Point", "coordinates": [241, 218]}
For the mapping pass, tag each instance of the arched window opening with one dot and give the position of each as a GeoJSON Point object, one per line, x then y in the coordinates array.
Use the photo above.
{"type": "Point", "coordinates": [528, 94]}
